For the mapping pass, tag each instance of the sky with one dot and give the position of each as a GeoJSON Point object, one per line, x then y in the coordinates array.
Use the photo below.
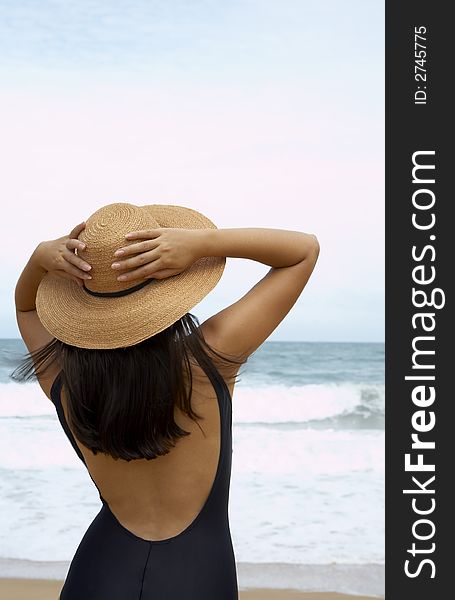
{"type": "Point", "coordinates": [257, 113]}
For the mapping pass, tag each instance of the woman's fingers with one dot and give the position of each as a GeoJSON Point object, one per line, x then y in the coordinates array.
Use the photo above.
{"type": "Point", "coordinates": [76, 231]}
{"type": "Point", "coordinates": [73, 258]}
{"type": "Point", "coordinates": [77, 272]}
{"type": "Point", "coordinates": [73, 243]}
{"type": "Point", "coordinates": [142, 272]}
{"type": "Point", "coordinates": [136, 248]}
{"type": "Point", "coordinates": [144, 264]}
{"type": "Point", "coordinates": [144, 233]}
{"type": "Point", "coordinates": [136, 261]}
{"type": "Point", "coordinates": [74, 265]}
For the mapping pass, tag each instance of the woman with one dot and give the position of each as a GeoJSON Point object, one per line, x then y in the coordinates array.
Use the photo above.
{"type": "Point", "coordinates": [131, 372]}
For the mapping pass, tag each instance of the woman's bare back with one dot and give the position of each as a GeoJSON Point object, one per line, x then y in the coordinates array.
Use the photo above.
{"type": "Point", "coordinates": [157, 499]}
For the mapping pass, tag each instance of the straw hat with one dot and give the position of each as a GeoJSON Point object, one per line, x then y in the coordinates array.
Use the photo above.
{"type": "Point", "coordinates": [107, 313]}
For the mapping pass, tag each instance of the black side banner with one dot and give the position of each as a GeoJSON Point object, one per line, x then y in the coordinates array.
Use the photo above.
{"type": "Point", "coordinates": [420, 361]}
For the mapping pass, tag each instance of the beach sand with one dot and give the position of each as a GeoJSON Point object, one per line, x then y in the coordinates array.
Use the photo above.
{"type": "Point", "coordinates": [42, 589]}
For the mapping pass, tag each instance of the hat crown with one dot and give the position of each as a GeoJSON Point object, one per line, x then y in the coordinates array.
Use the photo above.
{"type": "Point", "coordinates": [104, 233]}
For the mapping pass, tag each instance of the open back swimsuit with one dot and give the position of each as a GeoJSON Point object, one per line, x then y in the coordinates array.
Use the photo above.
{"type": "Point", "coordinates": [112, 563]}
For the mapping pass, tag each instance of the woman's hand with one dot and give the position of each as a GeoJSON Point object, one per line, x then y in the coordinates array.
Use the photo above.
{"type": "Point", "coordinates": [164, 252]}
{"type": "Point", "coordinates": [57, 256]}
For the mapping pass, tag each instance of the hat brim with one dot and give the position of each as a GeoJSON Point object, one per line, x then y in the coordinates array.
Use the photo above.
{"type": "Point", "coordinates": [77, 318]}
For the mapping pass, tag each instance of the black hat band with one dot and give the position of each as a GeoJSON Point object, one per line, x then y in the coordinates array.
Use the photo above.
{"type": "Point", "coordinates": [119, 293]}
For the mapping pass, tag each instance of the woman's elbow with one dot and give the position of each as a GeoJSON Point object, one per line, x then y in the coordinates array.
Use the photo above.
{"type": "Point", "coordinates": [315, 248]}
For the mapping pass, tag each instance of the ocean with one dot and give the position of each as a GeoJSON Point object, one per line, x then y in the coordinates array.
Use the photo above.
{"type": "Point", "coordinates": [307, 484]}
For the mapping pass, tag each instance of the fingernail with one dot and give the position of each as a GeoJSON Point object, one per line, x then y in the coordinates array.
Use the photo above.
{"type": "Point", "coordinates": [81, 246]}
{"type": "Point", "coordinates": [87, 267]}
{"type": "Point", "coordinates": [119, 252]}
{"type": "Point", "coordinates": [128, 235]}
{"type": "Point", "coordinates": [121, 278]}
{"type": "Point", "coordinates": [115, 265]}
{"type": "Point", "coordinates": [87, 276]}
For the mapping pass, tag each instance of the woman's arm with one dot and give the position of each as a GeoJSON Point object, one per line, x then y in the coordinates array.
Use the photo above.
{"type": "Point", "coordinates": [242, 327]}
{"type": "Point", "coordinates": [164, 252]}
{"type": "Point", "coordinates": [56, 256]}
{"type": "Point", "coordinates": [239, 329]}
{"type": "Point", "coordinates": [28, 283]}
{"type": "Point", "coordinates": [274, 247]}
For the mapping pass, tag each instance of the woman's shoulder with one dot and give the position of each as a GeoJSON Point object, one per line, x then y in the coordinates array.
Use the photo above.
{"type": "Point", "coordinates": [228, 365]}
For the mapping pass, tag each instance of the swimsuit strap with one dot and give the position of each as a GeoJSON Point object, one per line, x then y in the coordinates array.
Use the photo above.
{"type": "Point", "coordinates": [56, 399]}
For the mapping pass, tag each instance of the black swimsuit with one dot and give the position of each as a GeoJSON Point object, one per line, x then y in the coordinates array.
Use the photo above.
{"type": "Point", "coordinates": [112, 563]}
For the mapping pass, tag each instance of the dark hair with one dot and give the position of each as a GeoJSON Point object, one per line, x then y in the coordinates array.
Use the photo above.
{"type": "Point", "coordinates": [121, 401]}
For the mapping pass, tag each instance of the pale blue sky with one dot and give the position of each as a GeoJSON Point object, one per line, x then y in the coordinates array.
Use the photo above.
{"type": "Point", "coordinates": [257, 113]}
